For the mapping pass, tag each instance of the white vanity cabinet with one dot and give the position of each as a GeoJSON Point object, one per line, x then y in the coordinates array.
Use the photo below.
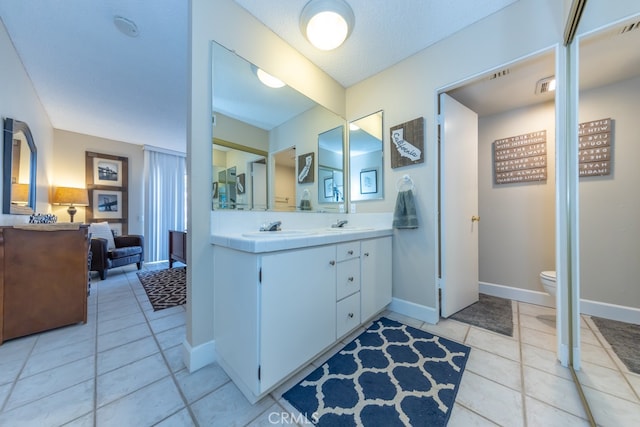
{"type": "Point", "coordinates": [276, 311]}
{"type": "Point", "coordinates": [273, 312]}
{"type": "Point", "coordinates": [375, 256]}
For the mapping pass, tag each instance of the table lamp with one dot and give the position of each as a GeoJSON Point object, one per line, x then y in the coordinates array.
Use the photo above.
{"type": "Point", "coordinates": [72, 197]}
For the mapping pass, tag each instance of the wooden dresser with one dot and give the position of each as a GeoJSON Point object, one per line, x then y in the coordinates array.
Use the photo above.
{"type": "Point", "coordinates": [43, 278]}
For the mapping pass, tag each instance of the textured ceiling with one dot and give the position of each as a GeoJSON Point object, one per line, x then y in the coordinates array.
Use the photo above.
{"type": "Point", "coordinates": [385, 31]}
{"type": "Point", "coordinates": [94, 80]}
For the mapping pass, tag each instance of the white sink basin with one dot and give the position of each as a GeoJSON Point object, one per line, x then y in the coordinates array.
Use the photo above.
{"type": "Point", "coordinates": [278, 234]}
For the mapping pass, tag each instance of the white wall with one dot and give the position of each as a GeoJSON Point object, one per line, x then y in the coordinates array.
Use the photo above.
{"type": "Point", "coordinates": [408, 90]}
{"type": "Point", "coordinates": [517, 232]}
{"type": "Point", "coordinates": [69, 166]}
{"type": "Point", "coordinates": [19, 101]}
{"type": "Point", "coordinates": [610, 205]}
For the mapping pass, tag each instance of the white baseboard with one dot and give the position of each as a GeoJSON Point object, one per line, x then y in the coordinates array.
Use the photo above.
{"type": "Point", "coordinates": [417, 311]}
{"type": "Point", "coordinates": [590, 308]}
{"type": "Point", "coordinates": [522, 295]}
{"type": "Point", "coordinates": [200, 356]}
{"type": "Point", "coordinates": [610, 311]}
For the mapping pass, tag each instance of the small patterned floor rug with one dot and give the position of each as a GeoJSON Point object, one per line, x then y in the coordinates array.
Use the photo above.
{"type": "Point", "coordinates": [390, 375]}
{"type": "Point", "coordinates": [165, 288]}
{"type": "Point", "coordinates": [624, 339]}
{"type": "Point", "coordinates": [492, 313]}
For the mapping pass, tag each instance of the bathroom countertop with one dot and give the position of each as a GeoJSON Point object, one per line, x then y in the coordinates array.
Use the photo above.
{"type": "Point", "coordinates": [271, 241]}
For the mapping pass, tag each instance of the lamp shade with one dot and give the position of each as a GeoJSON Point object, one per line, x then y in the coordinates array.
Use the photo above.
{"type": "Point", "coordinates": [70, 196]}
{"type": "Point", "coordinates": [19, 193]}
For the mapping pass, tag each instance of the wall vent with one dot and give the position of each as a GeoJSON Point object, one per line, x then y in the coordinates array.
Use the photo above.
{"type": "Point", "coordinates": [548, 84]}
{"type": "Point", "coordinates": [500, 73]}
{"type": "Point", "coordinates": [630, 27]}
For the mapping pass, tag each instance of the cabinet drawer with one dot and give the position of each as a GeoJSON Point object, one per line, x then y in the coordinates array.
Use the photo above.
{"type": "Point", "coordinates": [347, 278]}
{"type": "Point", "coordinates": [347, 314]}
{"type": "Point", "coordinates": [348, 250]}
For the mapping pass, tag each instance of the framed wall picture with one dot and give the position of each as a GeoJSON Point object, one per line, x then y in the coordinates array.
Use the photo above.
{"type": "Point", "coordinates": [368, 181]}
{"type": "Point", "coordinates": [407, 143]}
{"type": "Point", "coordinates": [107, 172]}
{"type": "Point", "coordinates": [107, 179]}
{"type": "Point", "coordinates": [107, 204]}
{"type": "Point", "coordinates": [240, 183]}
{"type": "Point", "coordinates": [305, 168]}
{"type": "Point", "coordinates": [328, 188]}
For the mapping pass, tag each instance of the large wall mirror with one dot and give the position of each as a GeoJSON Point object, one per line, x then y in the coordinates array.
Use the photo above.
{"type": "Point", "coordinates": [19, 171]}
{"type": "Point", "coordinates": [366, 158]}
{"type": "Point", "coordinates": [273, 135]}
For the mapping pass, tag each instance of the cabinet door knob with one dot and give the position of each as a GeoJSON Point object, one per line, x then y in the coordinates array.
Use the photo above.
{"type": "Point", "coordinates": [366, 254]}
{"type": "Point", "coordinates": [351, 315]}
{"type": "Point", "coordinates": [350, 252]}
{"type": "Point", "coordinates": [350, 279]}
{"type": "Point", "coordinates": [332, 262]}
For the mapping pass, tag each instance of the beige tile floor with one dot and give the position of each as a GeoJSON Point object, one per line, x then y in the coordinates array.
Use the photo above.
{"type": "Point", "coordinates": [124, 368]}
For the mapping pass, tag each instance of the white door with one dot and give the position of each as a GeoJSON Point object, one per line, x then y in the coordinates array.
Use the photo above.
{"type": "Point", "coordinates": [458, 206]}
{"type": "Point", "coordinates": [259, 186]}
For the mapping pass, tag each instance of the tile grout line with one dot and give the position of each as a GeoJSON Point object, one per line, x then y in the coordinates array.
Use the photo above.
{"type": "Point", "coordinates": [14, 383]}
{"type": "Point", "coordinates": [164, 358]}
{"type": "Point", "coordinates": [95, 362]}
{"type": "Point", "coordinates": [523, 393]}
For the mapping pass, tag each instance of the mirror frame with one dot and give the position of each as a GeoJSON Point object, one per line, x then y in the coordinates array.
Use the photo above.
{"type": "Point", "coordinates": [11, 127]}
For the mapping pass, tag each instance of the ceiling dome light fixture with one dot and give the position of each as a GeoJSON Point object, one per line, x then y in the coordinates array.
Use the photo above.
{"type": "Point", "coordinates": [327, 23]}
{"type": "Point", "coordinates": [267, 79]}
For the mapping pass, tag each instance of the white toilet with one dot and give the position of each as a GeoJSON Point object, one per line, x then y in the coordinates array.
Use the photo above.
{"type": "Point", "coordinates": [548, 279]}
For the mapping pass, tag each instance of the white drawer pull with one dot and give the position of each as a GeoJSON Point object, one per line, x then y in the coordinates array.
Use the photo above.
{"type": "Point", "coordinates": [351, 315]}
{"type": "Point", "coordinates": [350, 252]}
{"type": "Point", "coordinates": [332, 262]}
{"type": "Point", "coordinates": [366, 254]}
{"type": "Point", "coordinates": [350, 279]}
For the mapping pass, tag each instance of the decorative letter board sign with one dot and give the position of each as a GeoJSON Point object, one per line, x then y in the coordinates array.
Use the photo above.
{"type": "Point", "coordinates": [520, 158]}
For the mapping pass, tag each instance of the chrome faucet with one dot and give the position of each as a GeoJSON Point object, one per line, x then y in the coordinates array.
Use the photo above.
{"type": "Point", "coordinates": [273, 226]}
{"type": "Point", "coordinates": [339, 223]}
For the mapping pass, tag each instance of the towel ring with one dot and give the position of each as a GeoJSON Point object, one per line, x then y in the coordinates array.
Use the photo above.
{"type": "Point", "coordinates": [404, 183]}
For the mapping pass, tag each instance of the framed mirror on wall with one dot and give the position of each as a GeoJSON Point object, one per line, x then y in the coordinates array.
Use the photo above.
{"type": "Point", "coordinates": [19, 169]}
{"type": "Point", "coordinates": [366, 158]}
{"type": "Point", "coordinates": [331, 166]}
{"type": "Point", "coordinates": [271, 118]}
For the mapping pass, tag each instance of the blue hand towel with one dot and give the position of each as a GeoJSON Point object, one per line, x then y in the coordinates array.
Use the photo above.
{"type": "Point", "coordinates": [404, 215]}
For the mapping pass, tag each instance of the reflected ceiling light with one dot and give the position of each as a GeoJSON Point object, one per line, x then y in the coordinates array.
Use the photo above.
{"type": "Point", "coordinates": [267, 79]}
{"type": "Point", "coordinates": [353, 127]}
{"type": "Point", "coordinates": [327, 23]}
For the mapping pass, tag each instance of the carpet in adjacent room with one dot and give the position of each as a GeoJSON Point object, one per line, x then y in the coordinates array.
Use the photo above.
{"type": "Point", "coordinates": [489, 312]}
{"type": "Point", "coordinates": [165, 288]}
{"type": "Point", "coordinates": [624, 339]}
{"type": "Point", "coordinates": [390, 375]}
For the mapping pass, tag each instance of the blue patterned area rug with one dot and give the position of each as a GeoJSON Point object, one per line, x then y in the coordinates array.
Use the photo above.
{"type": "Point", "coordinates": [390, 375]}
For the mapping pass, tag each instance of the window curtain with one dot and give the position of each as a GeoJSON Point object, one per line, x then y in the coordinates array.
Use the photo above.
{"type": "Point", "coordinates": [165, 204]}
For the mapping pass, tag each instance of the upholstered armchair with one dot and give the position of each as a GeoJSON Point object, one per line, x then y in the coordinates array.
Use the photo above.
{"type": "Point", "coordinates": [110, 252]}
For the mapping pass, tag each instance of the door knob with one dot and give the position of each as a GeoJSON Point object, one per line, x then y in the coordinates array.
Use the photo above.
{"type": "Point", "coordinates": [475, 218]}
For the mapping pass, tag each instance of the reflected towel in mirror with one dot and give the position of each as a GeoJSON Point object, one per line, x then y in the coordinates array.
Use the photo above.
{"type": "Point", "coordinates": [405, 215]}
